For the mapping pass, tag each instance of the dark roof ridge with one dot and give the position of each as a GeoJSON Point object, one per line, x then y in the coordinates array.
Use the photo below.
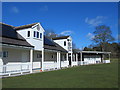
{"type": "Point", "coordinates": [25, 26]}
{"type": "Point", "coordinates": [6, 24]}
{"type": "Point", "coordinates": [61, 37]}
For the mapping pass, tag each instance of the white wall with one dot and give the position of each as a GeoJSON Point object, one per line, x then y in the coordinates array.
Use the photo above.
{"type": "Point", "coordinates": [36, 42]}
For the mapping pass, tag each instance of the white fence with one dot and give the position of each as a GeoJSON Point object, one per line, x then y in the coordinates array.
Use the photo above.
{"type": "Point", "coordinates": [64, 63]}
{"type": "Point", "coordinates": [36, 65]}
{"type": "Point", "coordinates": [74, 63]}
{"type": "Point", "coordinates": [50, 65]}
{"type": "Point", "coordinates": [85, 63]}
{"type": "Point", "coordinates": [14, 69]}
{"type": "Point", "coordinates": [106, 61]}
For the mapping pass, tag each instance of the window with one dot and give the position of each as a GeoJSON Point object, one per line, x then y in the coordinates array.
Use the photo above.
{"type": "Point", "coordinates": [37, 34]}
{"type": "Point", "coordinates": [52, 56]}
{"type": "Point", "coordinates": [34, 33]}
{"type": "Point", "coordinates": [64, 43]}
{"type": "Point", "coordinates": [40, 35]}
{"type": "Point", "coordinates": [39, 55]}
{"type": "Point", "coordinates": [28, 34]}
{"type": "Point", "coordinates": [5, 53]}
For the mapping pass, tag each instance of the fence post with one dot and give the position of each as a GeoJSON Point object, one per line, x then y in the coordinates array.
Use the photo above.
{"type": "Point", "coordinates": [21, 68]}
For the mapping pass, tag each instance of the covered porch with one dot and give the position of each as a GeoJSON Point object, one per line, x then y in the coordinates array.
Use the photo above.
{"type": "Point", "coordinates": [64, 59]}
{"type": "Point", "coordinates": [15, 59]}
{"type": "Point", "coordinates": [51, 59]}
{"type": "Point", "coordinates": [93, 57]}
{"type": "Point", "coordinates": [54, 59]}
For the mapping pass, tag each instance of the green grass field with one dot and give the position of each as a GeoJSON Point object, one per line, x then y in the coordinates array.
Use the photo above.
{"type": "Point", "coordinates": [91, 76]}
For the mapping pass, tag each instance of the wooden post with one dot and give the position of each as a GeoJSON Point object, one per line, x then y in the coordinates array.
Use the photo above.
{"type": "Point", "coordinates": [57, 60]}
{"type": "Point", "coordinates": [31, 60]}
{"type": "Point", "coordinates": [71, 58]}
{"type": "Point", "coordinates": [67, 59]}
{"type": "Point", "coordinates": [42, 59]}
{"type": "Point", "coordinates": [109, 56]}
{"type": "Point", "coordinates": [102, 57]}
{"type": "Point", "coordinates": [77, 58]}
{"type": "Point", "coordinates": [81, 57]}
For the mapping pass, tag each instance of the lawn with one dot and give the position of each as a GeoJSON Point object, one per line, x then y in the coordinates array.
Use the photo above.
{"type": "Point", "coordinates": [91, 76]}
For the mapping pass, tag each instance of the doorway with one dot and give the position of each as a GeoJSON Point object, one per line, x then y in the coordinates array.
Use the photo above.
{"type": "Point", "coordinates": [69, 59]}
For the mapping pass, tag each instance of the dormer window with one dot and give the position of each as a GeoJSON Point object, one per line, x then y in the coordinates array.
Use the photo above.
{"type": "Point", "coordinates": [34, 33]}
{"type": "Point", "coordinates": [37, 34]}
{"type": "Point", "coordinates": [64, 43]}
{"type": "Point", "coordinates": [28, 34]}
{"type": "Point", "coordinates": [40, 35]}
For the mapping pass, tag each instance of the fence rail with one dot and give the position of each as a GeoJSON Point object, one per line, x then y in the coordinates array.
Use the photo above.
{"type": "Point", "coordinates": [64, 63]}
{"type": "Point", "coordinates": [50, 65]}
{"type": "Point", "coordinates": [14, 69]}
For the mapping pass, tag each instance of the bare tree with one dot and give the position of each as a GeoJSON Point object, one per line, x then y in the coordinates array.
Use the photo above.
{"type": "Point", "coordinates": [49, 33]}
{"type": "Point", "coordinates": [102, 35]}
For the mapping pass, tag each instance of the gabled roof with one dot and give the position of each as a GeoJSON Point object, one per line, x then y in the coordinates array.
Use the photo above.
{"type": "Point", "coordinates": [62, 37]}
{"type": "Point", "coordinates": [51, 45]}
{"type": "Point", "coordinates": [10, 36]}
{"type": "Point", "coordinates": [9, 31]}
{"type": "Point", "coordinates": [24, 26]}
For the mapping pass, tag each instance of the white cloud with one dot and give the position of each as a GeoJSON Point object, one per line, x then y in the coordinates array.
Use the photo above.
{"type": "Point", "coordinates": [90, 36]}
{"type": "Point", "coordinates": [14, 10]}
{"type": "Point", "coordinates": [67, 32]}
{"type": "Point", "coordinates": [95, 21]}
{"type": "Point", "coordinates": [44, 8]}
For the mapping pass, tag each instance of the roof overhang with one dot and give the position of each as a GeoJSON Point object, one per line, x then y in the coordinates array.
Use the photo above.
{"type": "Point", "coordinates": [96, 52]}
{"type": "Point", "coordinates": [52, 50]}
{"type": "Point", "coordinates": [15, 46]}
